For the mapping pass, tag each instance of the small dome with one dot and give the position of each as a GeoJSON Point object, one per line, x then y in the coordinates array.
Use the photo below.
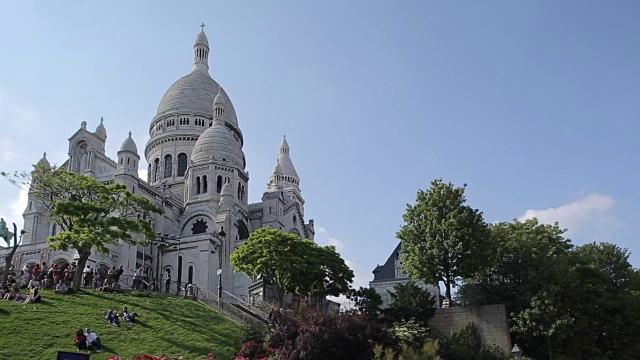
{"type": "Point", "coordinates": [219, 141]}
{"type": "Point", "coordinates": [44, 161]}
{"type": "Point", "coordinates": [277, 170]}
{"type": "Point", "coordinates": [101, 132]}
{"type": "Point", "coordinates": [129, 145]}
{"type": "Point", "coordinates": [202, 38]}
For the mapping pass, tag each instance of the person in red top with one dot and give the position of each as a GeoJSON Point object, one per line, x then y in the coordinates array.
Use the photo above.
{"type": "Point", "coordinates": [37, 271]}
{"type": "Point", "coordinates": [80, 339]}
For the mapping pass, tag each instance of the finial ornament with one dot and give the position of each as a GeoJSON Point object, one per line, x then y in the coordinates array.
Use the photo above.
{"type": "Point", "coordinates": [202, 26]}
{"type": "Point", "coordinates": [44, 155]}
{"type": "Point", "coordinates": [101, 119]}
{"type": "Point", "coordinates": [129, 133]}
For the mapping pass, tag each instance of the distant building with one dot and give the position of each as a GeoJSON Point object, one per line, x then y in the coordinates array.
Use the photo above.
{"type": "Point", "coordinates": [386, 276]}
{"type": "Point", "coordinates": [197, 174]}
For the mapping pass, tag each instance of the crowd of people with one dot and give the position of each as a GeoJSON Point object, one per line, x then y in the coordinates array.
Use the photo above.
{"type": "Point", "coordinates": [11, 291]}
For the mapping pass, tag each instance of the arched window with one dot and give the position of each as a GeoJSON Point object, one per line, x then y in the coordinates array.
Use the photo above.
{"type": "Point", "coordinates": [168, 166]}
{"type": "Point", "coordinates": [190, 275]}
{"type": "Point", "coordinates": [182, 164]}
{"type": "Point", "coordinates": [156, 170]}
{"type": "Point", "coordinates": [204, 184]}
{"type": "Point", "coordinates": [197, 185]}
{"type": "Point", "coordinates": [219, 184]}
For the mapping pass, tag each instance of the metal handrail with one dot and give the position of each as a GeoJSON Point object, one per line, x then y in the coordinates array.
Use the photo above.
{"type": "Point", "coordinates": [224, 307]}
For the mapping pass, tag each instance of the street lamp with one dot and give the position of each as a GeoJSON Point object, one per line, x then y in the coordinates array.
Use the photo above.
{"type": "Point", "coordinates": [220, 236]}
{"type": "Point", "coordinates": [516, 352]}
{"type": "Point", "coordinates": [164, 241]}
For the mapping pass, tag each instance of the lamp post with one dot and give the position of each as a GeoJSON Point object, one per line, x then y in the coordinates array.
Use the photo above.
{"type": "Point", "coordinates": [516, 352]}
{"type": "Point", "coordinates": [164, 241]}
{"type": "Point", "coordinates": [220, 236]}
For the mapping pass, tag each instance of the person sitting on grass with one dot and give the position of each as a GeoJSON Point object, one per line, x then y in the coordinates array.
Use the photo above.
{"type": "Point", "coordinates": [93, 340]}
{"type": "Point", "coordinates": [106, 287]}
{"type": "Point", "coordinates": [112, 317]}
{"type": "Point", "coordinates": [34, 296]}
{"type": "Point", "coordinates": [116, 288]}
{"type": "Point", "coordinates": [61, 288]}
{"type": "Point", "coordinates": [127, 316]}
{"type": "Point", "coordinates": [80, 340]}
{"type": "Point", "coordinates": [34, 283]}
{"type": "Point", "coordinates": [11, 295]}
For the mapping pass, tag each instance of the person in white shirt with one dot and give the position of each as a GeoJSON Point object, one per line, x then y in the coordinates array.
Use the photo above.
{"type": "Point", "coordinates": [93, 340]}
{"type": "Point", "coordinates": [61, 288]}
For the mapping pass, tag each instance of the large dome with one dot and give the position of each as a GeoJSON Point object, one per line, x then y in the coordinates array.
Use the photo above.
{"type": "Point", "coordinates": [195, 93]}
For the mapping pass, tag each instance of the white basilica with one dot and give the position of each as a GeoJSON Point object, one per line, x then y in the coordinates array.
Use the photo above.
{"type": "Point", "coordinates": [197, 174]}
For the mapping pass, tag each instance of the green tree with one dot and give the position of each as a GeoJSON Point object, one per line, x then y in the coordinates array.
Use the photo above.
{"type": "Point", "coordinates": [526, 257]}
{"type": "Point", "coordinates": [292, 264]}
{"type": "Point", "coordinates": [605, 305]}
{"type": "Point", "coordinates": [410, 302]}
{"type": "Point", "coordinates": [325, 273]}
{"type": "Point", "coordinates": [442, 238]}
{"type": "Point", "coordinates": [528, 270]}
{"type": "Point", "coordinates": [367, 301]}
{"type": "Point", "coordinates": [89, 214]}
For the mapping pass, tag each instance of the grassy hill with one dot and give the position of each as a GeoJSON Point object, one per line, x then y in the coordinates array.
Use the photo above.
{"type": "Point", "coordinates": [169, 325]}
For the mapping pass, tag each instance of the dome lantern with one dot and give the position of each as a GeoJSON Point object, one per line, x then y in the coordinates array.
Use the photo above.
{"type": "Point", "coordinates": [201, 52]}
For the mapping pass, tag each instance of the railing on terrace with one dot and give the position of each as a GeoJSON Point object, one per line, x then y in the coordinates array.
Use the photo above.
{"type": "Point", "coordinates": [225, 308]}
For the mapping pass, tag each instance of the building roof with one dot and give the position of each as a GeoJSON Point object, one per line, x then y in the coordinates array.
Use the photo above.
{"type": "Point", "coordinates": [387, 271]}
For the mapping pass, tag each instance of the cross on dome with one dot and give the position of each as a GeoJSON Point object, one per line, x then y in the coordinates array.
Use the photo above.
{"type": "Point", "coordinates": [202, 26]}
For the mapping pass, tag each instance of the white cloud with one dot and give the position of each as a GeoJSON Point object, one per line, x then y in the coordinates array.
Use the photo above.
{"type": "Point", "coordinates": [361, 276]}
{"type": "Point", "coordinates": [142, 173]}
{"type": "Point", "coordinates": [592, 212]}
{"type": "Point", "coordinates": [337, 243]}
{"type": "Point", "coordinates": [320, 230]}
{"type": "Point", "coordinates": [20, 205]}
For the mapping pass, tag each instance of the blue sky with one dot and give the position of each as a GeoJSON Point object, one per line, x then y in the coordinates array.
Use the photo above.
{"type": "Point", "coordinates": [533, 104]}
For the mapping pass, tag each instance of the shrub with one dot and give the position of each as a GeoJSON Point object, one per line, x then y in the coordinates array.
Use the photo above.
{"type": "Point", "coordinates": [328, 336]}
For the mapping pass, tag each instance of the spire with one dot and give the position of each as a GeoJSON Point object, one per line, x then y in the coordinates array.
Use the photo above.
{"type": "Point", "coordinates": [219, 106]}
{"type": "Point", "coordinates": [285, 161]}
{"type": "Point", "coordinates": [101, 131]}
{"type": "Point", "coordinates": [201, 52]}
{"type": "Point", "coordinates": [284, 146]}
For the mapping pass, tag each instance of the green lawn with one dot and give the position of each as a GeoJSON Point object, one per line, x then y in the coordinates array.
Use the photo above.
{"type": "Point", "coordinates": [169, 325]}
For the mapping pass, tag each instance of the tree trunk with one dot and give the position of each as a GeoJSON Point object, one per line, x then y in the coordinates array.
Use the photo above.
{"type": "Point", "coordinates": [279, 295]}
{"type": "Point", "coordinates": [9, 258]}
{"type": "Point", "coordinates": [447, 294]}
{"type": "Point", "coordinates": [77, 278]}
{"type": "Point", "coordinates": [549, 346]}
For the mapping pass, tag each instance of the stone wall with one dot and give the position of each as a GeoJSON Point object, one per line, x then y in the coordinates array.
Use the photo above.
{"type": "Point", "coordinates": [491, 321]}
